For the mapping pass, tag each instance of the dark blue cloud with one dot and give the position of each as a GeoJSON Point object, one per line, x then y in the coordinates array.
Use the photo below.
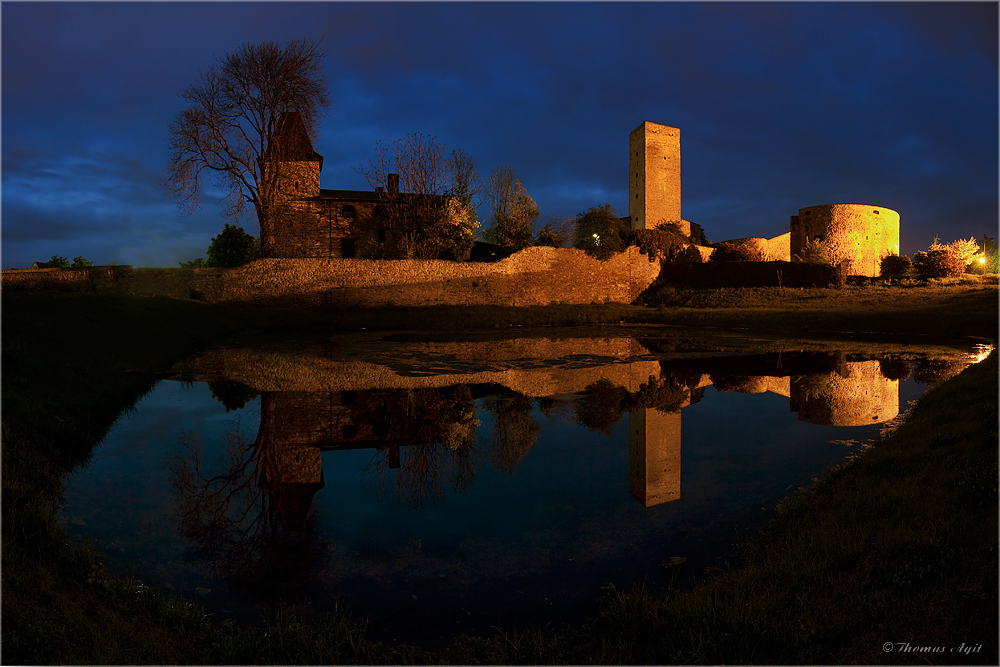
{"type": "Point", "coordinates": [780, 105]}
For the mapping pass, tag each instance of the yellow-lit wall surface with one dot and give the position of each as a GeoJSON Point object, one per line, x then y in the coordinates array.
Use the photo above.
{"type": "Point", "coordinates": [859, 234]}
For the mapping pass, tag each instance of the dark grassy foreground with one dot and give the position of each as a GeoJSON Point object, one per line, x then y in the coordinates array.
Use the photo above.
{"type": "Point", "coordinates": [898, 546]}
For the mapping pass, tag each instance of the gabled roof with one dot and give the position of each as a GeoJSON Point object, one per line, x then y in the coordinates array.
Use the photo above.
{"type": "Point", "coordinates": [291, 133]}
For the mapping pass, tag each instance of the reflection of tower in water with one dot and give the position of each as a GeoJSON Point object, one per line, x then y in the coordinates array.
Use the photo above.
{"type": "Point", "coordinates": [290, 461]}
{"type": "Point", "coordinates": [856, 394]}
{"type": "Point", "coordinates": [654, 455]}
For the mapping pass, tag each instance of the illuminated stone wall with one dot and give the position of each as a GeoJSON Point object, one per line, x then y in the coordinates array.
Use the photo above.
{"type": "Point", "coordinates": [321, 228]}
{"type": "Point", "coordinates": [534, 276]}
{"type": "Point", "coordinates": [858, 234]}
{"type": "Point", "coordinates": [654, 190]}
{"type": "Point", "coordinates": [86, 279]}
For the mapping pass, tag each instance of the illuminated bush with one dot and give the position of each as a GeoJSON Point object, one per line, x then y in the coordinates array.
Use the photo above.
{"type": "Point", "coordinates": [735, 252]}
{"type": "Point", "coordinates": [895, 266]}
{"type": "Point", "coordinates": [944, 260]}
{"type": "Point", "coordinates": [939, 263]}
{"type": "Point", "coordinates": [665, 240]}
{"type": "Point", "coordinates": [813, 252]}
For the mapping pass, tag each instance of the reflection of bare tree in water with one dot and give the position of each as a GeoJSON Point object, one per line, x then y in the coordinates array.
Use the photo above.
{"type": "Point", "coordinates": [427, 438]}
{"type": "Point", "coordinates": [250, 518]}
{"type": "Point", "coordinates": [603, 403]}
{"type": "Point", "coordinates": [514, 430]}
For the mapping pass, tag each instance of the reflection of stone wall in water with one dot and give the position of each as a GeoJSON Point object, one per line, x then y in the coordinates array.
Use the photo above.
{"type": "Point", "coordinates": [654, 456]}
{"type": "Point", "coordinates": [858, 396]}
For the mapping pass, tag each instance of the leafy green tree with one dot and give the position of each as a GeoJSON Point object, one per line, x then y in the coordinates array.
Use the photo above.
{"type": "Point", "coordinates": [600, 232]}
{"type": "Point", "coordinates": [990, 255]}
{"type": "Point", "coordinates": [232, 247]}
{"type": "Point", "coordinates": [193, 264]}
{"type": "Point", "coordinates": [81, 263]}
{"type": "Point", "coordinates": [555, 232]}
{"type": "Point", "coordinates": [513, 211]}
{"type": "Point", "coordinates": [57, 262]}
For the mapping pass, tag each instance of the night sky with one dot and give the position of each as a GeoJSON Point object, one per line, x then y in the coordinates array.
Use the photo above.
{"type": "Point", "coordinates": [780, 106]}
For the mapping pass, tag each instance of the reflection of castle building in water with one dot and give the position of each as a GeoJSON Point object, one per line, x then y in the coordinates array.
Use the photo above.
{"type": "Point", "coordinates": [855, 393]}
{"type": "Point", "coordinates": [654, 446]}
{"type": "Point", "coordinates": [857, 396]}
{"type": "Point", "coordinates": [296, 426]}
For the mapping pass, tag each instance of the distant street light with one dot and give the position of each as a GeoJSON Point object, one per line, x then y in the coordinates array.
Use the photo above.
{"type": "Point", "coordinates": [597, 239]}
{"type": "Point", "coordinates": [982, 263]}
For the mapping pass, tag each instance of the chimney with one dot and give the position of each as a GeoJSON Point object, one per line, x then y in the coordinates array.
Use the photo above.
{"type": "Point", "coordinates": [392, 183]}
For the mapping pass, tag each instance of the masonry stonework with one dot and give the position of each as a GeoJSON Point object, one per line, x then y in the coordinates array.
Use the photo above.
{"type": "Point", "coordinates": [655, 176]}
{"type": "Point", "coordinates": [858, 234]}
{"type": "Point", "coordinates": [534, 276]}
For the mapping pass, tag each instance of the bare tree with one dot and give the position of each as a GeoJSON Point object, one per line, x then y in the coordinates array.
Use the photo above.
{"type": "Point", "coordinates": [555, 232]}
{"type": "Point", "coordinates": [232, 130]}
{"type": "Point", "coordinates": [426, 197]}
{"type": "Point", "coordinates": [513, 210]}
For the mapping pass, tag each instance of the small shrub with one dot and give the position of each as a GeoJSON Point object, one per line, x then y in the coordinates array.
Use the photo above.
{"type": "Point", "coordinates": [193, 264]}
{"type": "Point", "coordinates": [736, 252]}
{"type": "Point", "coordinates": [813, 252]}
{"type": "Point", "coordinates": [81, 263]}
{"type": "Point", "coordinates": [895, 266]}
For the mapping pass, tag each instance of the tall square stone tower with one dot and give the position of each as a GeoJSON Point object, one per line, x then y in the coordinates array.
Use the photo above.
{"type": "Point", "coordinates": [654, 175]}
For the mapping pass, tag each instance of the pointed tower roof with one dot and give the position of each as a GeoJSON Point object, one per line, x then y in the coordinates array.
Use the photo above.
{"type": "Point", "coordinates": [291, 133]}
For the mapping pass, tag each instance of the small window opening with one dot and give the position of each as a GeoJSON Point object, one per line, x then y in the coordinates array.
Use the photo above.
{"type": "Point", "coordinates": [636, 195]}
{"type": "Point", "coordinates": [875, 211]}
{"type": "Point", "coordinates": [296, 185]}
{"type": "Point", "coordinates": [381, 236]}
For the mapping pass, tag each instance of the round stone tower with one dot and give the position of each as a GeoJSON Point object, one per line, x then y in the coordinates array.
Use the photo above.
{"type": "Point", "coordinates": [859, 234]}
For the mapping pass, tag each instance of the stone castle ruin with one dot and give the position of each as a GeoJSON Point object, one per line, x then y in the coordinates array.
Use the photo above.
{"type": "Point", "coordinates": [332, 224]}
{"type": "Point", "coordinates": [856, 234]}
{"type": "Point", "coordinates": [318, 223]}
{"type": "Point", "coordinates": [311, 255]}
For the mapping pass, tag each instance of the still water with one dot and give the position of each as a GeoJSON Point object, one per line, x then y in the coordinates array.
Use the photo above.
{"type": "Point", "coordinates": [446, 487]}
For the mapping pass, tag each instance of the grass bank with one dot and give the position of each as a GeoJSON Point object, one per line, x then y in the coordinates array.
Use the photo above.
{"type": "Point", "coordinates": [906, 548]}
